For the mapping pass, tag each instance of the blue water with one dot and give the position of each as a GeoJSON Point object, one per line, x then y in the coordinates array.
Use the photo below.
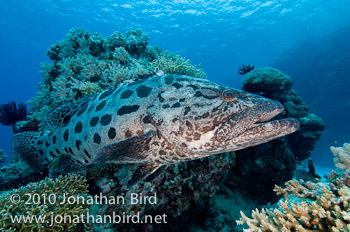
{"type": "Point", "coordinates": [219, 34]}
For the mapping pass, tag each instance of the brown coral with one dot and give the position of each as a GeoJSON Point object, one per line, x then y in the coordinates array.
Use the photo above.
{"type": "Point", "coordinates": [315, 207]}
{"type": "Point", "coordinates": [17, 203]}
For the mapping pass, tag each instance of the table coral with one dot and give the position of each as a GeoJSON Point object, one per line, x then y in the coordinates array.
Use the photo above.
{"type": "Point", "coordinates": [71, 185]}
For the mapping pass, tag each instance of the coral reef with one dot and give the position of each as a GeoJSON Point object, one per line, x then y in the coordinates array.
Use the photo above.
{"type": "Point", "coordinates": [3, 157]}
{"type": "Point", "coordinates": [16, 174]}
{"type": "Point", "coordinates": [274, 163]}
{"type": "Point", "coordinates": [274, 84]}
{"type": "Point", "coordinates": [70, 185]}
{"type": "Point", "coordinates": [244, 69]}
{"type": "Point", "coordinates": [342, 157]}
{"type": "Point", "coordinates": [182, 189]}
{"type": "Point", "coordinates": [86, 63]}
{"type": "Point", "coordinates": [314, 207]}
{"type": "Point", "coordinates": [10, 113]}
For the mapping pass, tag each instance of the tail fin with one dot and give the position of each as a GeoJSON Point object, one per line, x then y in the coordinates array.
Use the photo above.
{"type": "Point", "coordinates": [29, 148]}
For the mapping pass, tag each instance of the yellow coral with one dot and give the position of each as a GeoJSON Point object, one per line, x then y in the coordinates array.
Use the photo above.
{"type": "Point", "coordinates": [70, 185]}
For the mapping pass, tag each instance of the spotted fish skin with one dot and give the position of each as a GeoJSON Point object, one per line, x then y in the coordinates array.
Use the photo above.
{"type": "Point", "coordinates": [155, 121]}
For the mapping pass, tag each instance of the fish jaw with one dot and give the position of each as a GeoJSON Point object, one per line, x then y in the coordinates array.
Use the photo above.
{"type": "Point", "coordinates": [252, 126]}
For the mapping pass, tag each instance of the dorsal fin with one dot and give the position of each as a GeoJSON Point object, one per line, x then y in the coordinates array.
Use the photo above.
{"type": "Point", "coordinates": [61, 115]}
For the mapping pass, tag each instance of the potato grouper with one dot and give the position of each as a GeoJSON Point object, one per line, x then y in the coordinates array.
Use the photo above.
{"type": "Point", "coordinates": [155, 121]}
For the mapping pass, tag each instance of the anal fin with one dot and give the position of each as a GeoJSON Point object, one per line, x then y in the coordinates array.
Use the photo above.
{"type": "Point", "coordinates": [143, 171]}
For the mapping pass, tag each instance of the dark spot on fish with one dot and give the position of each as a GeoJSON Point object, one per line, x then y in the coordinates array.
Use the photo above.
{"type": "Point", "coordinates": [177, 85]}
{"type": "Point", "coordinates": [41, 152]}
{"type": "Point", "coordinates": [82, 109]}
{"type": "Point", "coordinates": [100, 106]}
{"type": "Point", "coordinates": [66, 150]}
{"type": "Point", "coordinates": [58, 152]}
{"type": "Point", "coordinates": [162, 152]}
{"type": "Point", "coordinates": [78, 127]}
{"type": "Point", "coordinates": [189, 125]}
{"type": "Point", "coordinates": [65, 135]}
{"type": "Point", "coordinates": [86, 161]}
{"type": "Point", "coordinates": [97, 138]}
{"type": "Point", "coordinates": [176, 105]}
{"type": "Point", "coordinates": [54, 139]}
{"type": "Point", "coordinates": [87, 154]}
{"type": "Point", "coordinates": [183, 145]}
{"type": "Point", "coordinates": [40, 142]}
{"type": "Point", "coordinates": [106, 93]}
{"type": "Point", "coordinates": [181, 79]}
{"type": "Point", "coordinates": [126, 94]}
{"type": "Point", "coordinates": [77, 144]}
{"type": "Point", "coordinates": [70, 151]}
{"type": "Point", "coordinates": [147, 119]}
{"type": "Point", "coordinates": [161, 99]}
{"type": "Point", "coordinates": [166, 106]}
{"type": "Point", "coordinates": [94, 121]}
{"type": "Point", "coordinates": [197, 136]}
{"type": "Point", "coordinates": [182, 100]}
{"type": "Point", "coordinates": [175, 119]}
{"type": "Point", "coordinates": [169, 79]}
{"type": "Point", "coordinates": [194, 87]}
{"type": "Point", "coordinates": [106, 119]}
{"type": "Point", "coordinates": [187, 110]}
{"type": "Point", "coordinates": [127, 109]}
{"type": "Point", "coordinates": [52, 154]}
{"type": "Point", "coordinates": [136, 82]}
{"type": "Point", "coordinates": [143, 91]}
{"type": "Point", "coordinates": [128, 133]}
{"type": "Point", "coordinates": [200, 94]}
{"type": "Point", "coordinates": [47, 144]}
{"type": "Point", "coordinates": [112, 133]}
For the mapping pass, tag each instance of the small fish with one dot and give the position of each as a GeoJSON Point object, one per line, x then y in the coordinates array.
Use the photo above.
{"type": "Point", "coordinates": [155, 121]}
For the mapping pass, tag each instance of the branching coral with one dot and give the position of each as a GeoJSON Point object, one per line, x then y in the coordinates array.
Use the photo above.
{"type": "Point", "coordinates": [70, 185]}
{"type": "Point", "coordinates": [319, 207]}
{"type": "Point", "coordinates": [172, 63]}
{"type": "Point", "coordinates": [85, 63]}
{"type": "Point", "coordinates": [307, 206]}
{"type": "Point", "coordinates": [342, 157]}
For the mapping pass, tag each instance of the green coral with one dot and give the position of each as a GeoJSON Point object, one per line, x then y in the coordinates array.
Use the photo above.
{"type": "Point", "coordinates": [71, 185]}
{"type": "Point", "coordinates": [86, 63]}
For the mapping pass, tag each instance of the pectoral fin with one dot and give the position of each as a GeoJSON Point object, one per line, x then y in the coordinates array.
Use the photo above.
{"type": "Point", "coordinates": [131, 150]}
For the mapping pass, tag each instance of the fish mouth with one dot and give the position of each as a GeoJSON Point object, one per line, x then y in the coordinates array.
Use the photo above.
{"type": "Point", "coordinates": [255, 125]}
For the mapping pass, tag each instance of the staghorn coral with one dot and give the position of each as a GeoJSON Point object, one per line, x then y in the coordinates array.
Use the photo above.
{"type": "Point", "coordinates": [85, 63]}
{"type": "Point", "coordinates": [320, 207]}
{"type": "Point", "coordinates": [71, 185]}
{"type": "Point", "coordinates": [307, 206]}
{"type": "Point", "coordinates": [342, 156]}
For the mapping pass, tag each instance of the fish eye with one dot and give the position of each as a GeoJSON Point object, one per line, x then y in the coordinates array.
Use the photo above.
{"type": "Point", "coordinates": [228, 95]}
